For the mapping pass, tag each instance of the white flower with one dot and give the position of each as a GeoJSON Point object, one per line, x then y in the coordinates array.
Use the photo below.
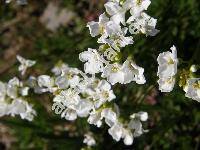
{"type": "Point", "coordinates": [95, 118]}
{"type": "Point", "coordinates": [89, 140]}
{"type": "Point", "coordinates": [167, 63]}
{"type": "Point", "coordinates": [84, 107]}
{"type": "Point", "coordinates": [132, 72]}
{"type": "Point", "coordinates": [143, 116]}
{"type": "Point", "coordinates": [69, 114]}
{"type": "Point", "coordinates": [72, 76]}
{"type": "Point", "coordinates": [103, 93]}
{"type": "Point", "coordinates": [116, 131]}
{"type": "Point", "coordinates": [167, 70]}
{"type": "Point", "coordinates": [70, 98]}
{"type": "Point", "coordinates": [97, 28]}
{"type": "Point", "coordinates": [116, 12]}
{"type": "Point", "coordinates": [136, 125]}
{"type": "Point", "coordinates": [136, 6]}
{"type": "Point", "coordinates": [3, 108]}
{"type": "Point", "coordinates": [59, 68]}
{"type": "Point", "coordinates": [144, 24]}
{"type": "Point", "coordinates": [2, 91]}
{"type": "Point", "coordinates": [111, 28]}
{"type": "Point", "coordinates": [116, 40]}
{"type": "Point", "coordinates": [128, 137]}
{"type": "Point", "coordinates": [94, 62]}
{"type": "Point", "coordinates": [24, 91]}
{"type": "Point", "coordinates": [12, 88]}
{"type": "Point", "coordinates": [22, 108]}
{"type": "Point", "coordinates": [46, 82]}
{"type": "Point", "coordinates": [166, 84]}
{"type": "Point", "coordinates": [110, 116]}
{"type": "Point", "coordinates": [192, 89]}
{"type": "Point", "coordinates": [61, 82]}
{"type": "Point", "coordinates": [25, 63]}
{"type": "Point", "coordinates": [68, 78]}
{"type": "Point", "coordinates": [113, 73]}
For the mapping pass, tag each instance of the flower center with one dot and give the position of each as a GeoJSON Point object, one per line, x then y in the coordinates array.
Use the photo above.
{"type": "Point", "coordinates": [105, 94]}
{"type": "Point", "coordinates": [115, 69]}
{"type": "Point", "coordinates": [69, 75]}
{"type": "Point", "coordinates": [170, 61]}
{"type": "Point", "coordinates": [196, 85]}
{"type": "Point", "coordinates": [138, 2]}
{"type": "Point", "coordinates": [169, 81]}
{"type": "Point", "coordinates": [101, 29]}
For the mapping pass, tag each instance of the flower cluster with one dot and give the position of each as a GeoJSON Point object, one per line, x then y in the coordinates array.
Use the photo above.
{"type": "Point", "coordinates": [12, 100]}
{"type": "Point", "coordinates": [115, 33]}
{"type": "Point", "coordinates": [81, 94]}
{"type": "Point", "coordinates": [78, 95]}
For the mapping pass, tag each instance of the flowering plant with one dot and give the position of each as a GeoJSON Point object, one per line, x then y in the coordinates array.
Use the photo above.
{"type": "Point", "coordinates": [89, 93]}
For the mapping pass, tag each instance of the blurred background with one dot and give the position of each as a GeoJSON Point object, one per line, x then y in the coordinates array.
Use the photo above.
{"type": "Point", "coordinates": [50, 31]}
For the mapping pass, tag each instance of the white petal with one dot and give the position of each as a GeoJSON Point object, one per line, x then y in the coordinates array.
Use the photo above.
{"type": "Point", "coordinates": [112, 8]}
{"type": "Point", "coordinates": [116, 131]}
{"type": "Point", "coordinates": [94, 28]}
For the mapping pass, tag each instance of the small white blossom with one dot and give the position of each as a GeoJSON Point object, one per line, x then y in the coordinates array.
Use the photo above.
{"type": "Point", "coordinates": [22, 108]}
{"type": "Point", "coordinates": [24, 91]}
{"type": "Point", "coordinates": [70, 98]}
{"type": "Point", "coordinates": [192, 89]}
{"type": "Point", "coordinates": [110, 116]}
{"type": "Point", "coordinates": [46, 82]}
{"type": "Point", "coordinates": [116, 40]}
{"type": "Point", "coordinates": [67, 78]}
{"type": "Point", "coordinates": [166, 84]}
{"type": "Point", "coordinates": [167, 63]}
{"type": "Point", "coordinates": [95, 118]}
{"type": "Point", "coordinates": [114, 73]}
{"type": "Point", "coordinates": [13, 87]}
{"type": "Point", "coordinates": [136, 6]}
{"type": "Point", "coordinates": [128, 137]}
{"type": "Point", "coordinates": [103, 93]}
{"type": "Point", "coordinates": [143, 116]}
{"type": "Point", "coordinates": [167, 69]}
{"type": "Point", "coordinates": [94, 62]}
{"type": "Point", "coordinates": [116, 12]}
{"type": "Point", "coordinates": [61, 82]}
{"type": "Point", "coordinates": [97, 28]}
{"type": "Point", "coordinates": [89, 140]}
{"type": "Point", "coordinates": [72, 76]}
{"type": "Point", "coordinates": [3, 108]}
{"type": "Point", "coordinates": [25, 64]}
{"type": "Point", "coordinates": [2, 91]}
{"type": "Point", "coordinates": [59, 68]}
{"type": "Point", "coordinates": [143, 24]}
{"type": "Point", "coordinates": [69, 114]}
{"type": "Point", "coordinates": [135, 123]}
{"type": "Point", "coordinates": [116, 131]}
{"type": "Point", "coordinates": [84, 107]}
{"type": "Point", "coordinates": [132, 72]}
